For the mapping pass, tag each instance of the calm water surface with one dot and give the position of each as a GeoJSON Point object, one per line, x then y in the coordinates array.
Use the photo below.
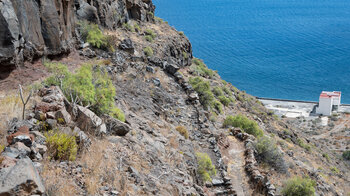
{"type": "Point", "coordinates": [289, 49]}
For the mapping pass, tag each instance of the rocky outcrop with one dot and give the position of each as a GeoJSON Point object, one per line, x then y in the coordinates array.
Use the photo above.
{"type": "Point", "coordinates": [113, 13]}
{"type": "Point", "coordinates": [30, 29]}
{"type": "Point", "coordinates": [21, 179]}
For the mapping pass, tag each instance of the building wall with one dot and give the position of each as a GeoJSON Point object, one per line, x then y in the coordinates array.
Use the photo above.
{"type": "Point", "coordinates": [325, 106]}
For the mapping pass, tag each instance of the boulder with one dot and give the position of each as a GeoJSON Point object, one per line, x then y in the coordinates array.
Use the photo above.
{"type": "Point", "coordinates": [22, 135]}
{"type": "Point", "coordinates": [23, 149]}
{"type": "Point", "coordinates": [21, 179]}
{"type": "Point", "coordinates": [116, 127]}
{"type": "Point", "coordinates": [127, 45]}
{"type": "Point", "coordinates": [82, 139]}
{"type": "Point", "coordinates": [7, 161]}
{"type": "Point", "coordinates": [89, 122]}
{"type": "Point", "coordinates": [171, 68]}
{"type": "Point", "coordinates": [62, 116]}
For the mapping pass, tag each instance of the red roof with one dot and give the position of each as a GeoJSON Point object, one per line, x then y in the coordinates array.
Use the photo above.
{"type": "Point", "coordinates": [327, 94]}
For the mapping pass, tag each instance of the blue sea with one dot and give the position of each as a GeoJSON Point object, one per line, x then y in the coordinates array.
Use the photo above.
{"type": "Point", "coordinates": [289, 49]}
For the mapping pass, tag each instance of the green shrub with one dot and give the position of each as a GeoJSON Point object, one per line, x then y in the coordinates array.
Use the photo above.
{"type": "Point", "coordinates": [227, 90]}
{"type": "Point", "coordinates": [128, 27]}
{"type": "Point", "coordinates": [151, 14]}
{"type": "Point", "coordinates": [181, 33]}
{"type": "Point", "coordinates": [206, 97]}
{"type": "Point", "coordinates": [335, 170]}
{"type": "Point", "coordinates": [298, 186]}
{"type": "Point", "coordinates": [61, 146]}
{"type": "Point", "coordinates": [244, 123]}
{"type": "Point", "coordinates": [149, 38]}
{"type": "Point", "coordinates": [218, 91]}
{"type": "Point", "coordinates": [96, 38]}
{"type": "Point", "coordinates": [346, 155]}
{"type": "Point", "coordinates": [268, 152]}
{"type": "Point", "coordinates": [91, 85]}
{"type": "Point", "coordinates": [183, 131]}
{"type": "Point", "coordinates": [184, 54]}
{"type": "Point", "coordinates": [303, 145]}
{"type": "Point", "coordinates": [325, 155]}
{"type": "Point", "coordinates": [224, 100]}
{"type": "Point", "coordinates": [150, 33]}
{"type": "Point", "coordinates": [218, 106]}
{"type": "Point", "coordinates": [205, 167]}
{"type": "Point", "coordinates": [2, 147]}
{"type": "Point", "coordinates": [148, 51]}
{"type": "Point", "coordinates": [137, 28]}
{"type": "Point", "coordinates": [200, 69]}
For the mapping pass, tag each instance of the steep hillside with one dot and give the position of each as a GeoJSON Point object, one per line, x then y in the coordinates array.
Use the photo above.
{"type": "Point", "coordinates": [129, 111]}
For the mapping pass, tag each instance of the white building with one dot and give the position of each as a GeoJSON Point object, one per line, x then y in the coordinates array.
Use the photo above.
{"type": "Point", "coordinates": [329, 101]}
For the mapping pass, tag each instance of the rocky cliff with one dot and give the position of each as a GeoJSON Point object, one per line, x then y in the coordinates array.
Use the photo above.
{"type": "Point", "coordinates": [130, 111]}
{"type": "Point", "coordinates": [35, 28]}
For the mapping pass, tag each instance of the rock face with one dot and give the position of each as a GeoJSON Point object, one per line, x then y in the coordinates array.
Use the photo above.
{"type": "Point", "coordinates": [21, 179]}
{"type": "Point", "coordinates": [33, 28]}
{"type": "Point", "coordinates": [30, 29]}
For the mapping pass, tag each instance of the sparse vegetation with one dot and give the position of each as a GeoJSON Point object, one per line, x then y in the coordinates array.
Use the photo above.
{"type": "Point", "coordinates": [218, 91]}
{"type": "Point", "coordinates": [346, 155]}
{"type": "Point", "coordinates": [89, 86]}
{"type": "Point", "coordinates": [128, 27]}
{"type": "Point", "coordinates": [244, 123]}
{"type": "Point", "coordinates": [206, 97]}
{"type": "Point", "coordinates": [224, 100]}
{"type": "Point", "coordinates": [325, 155]}
{"type": "Point", "coordinates": [137, 28]}
{"type": "Point", "coordinates": [218, 106]}
{"type": "Point", "coordinates": [183, 131]}
{"type": "Point", "coordinates": [298, 186]}
{"type": "Point", "coordinates": [181, 33]}
{"type": "Point", "coordinates": [335, 170]}
{"type": "Point", "coordinates": [148, 51]}
{"type": "Point", "coordinates": [2, 147]}
{"type": "Point", "coordinates": [150, 33]}
{"type": "Point", "coordinates": [61, 146]}
{"type": "Point", "coordinates": [200, 69]}
{"type": "Point", "coordinates": [206, 169]}
{"type": "Point", "coordinates": [268, 152]}
{"type": "Point", "coordinates": [149, 38]}
{"type": "Point", "coordinates": [184, 54]}
{"type": "Point", "coordinates": [302, 144]}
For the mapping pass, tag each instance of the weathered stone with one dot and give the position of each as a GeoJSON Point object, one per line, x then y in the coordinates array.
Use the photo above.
{"type": "Point", "coordinates": [63, 117]}
{"type": "Point", "coordinates": [23, 149]}
{"type": "Point", "coordinates": [171, 68]}
{"type": "Point", "coordinates": [21, 179]}
{"type": "Point", "coordinates": [150, 69]}
{"type": "Point", "coordinates": [39, 137]}
{"type": "Point", "coordinates": [82, 139]}
{"type": "Point", "coordinates": [193, 96]}
{"type": "Point", "coordinates": [22, 135]}
{"type": "Point", "coordinates": [7, 161]}
{"type": "Point", "coordinates": [89, 121]}
{"type": "Point", "coordinates": [116, 127]}
{"type": "Point", "coordinates": [41, 148]}
{"type": "Point", "coordinates": [127, 45]}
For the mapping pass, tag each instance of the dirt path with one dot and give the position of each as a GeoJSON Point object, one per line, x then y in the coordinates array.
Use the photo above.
{"type": "Point", "coordinates": [336, 129]}
{"type": "Point", "coordinates": [233, 157]}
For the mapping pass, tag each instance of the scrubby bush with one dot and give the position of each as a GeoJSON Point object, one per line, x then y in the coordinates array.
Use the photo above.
{"type": "Point", "coordinates": [181, 33]}
{"type": "Point", "coordinates": [206, 97]}
{"type": "Point", "coordinates": [90, 85]}
{"type": "Point", "coordinates": [150, 33]}
{"type": "Point", "coordinates": [227, 90]}
{"type": "Point", "coordinates": [2, 147]}
{"type": "Point", "coordinates": [224, 100]}
{"type": "Point", "coordinates": [128, 27]}
{"type": "Point", "coordinates": [346, 155]}
{"type": "Point", "coordinates": [268, 152]}
{"type": "Point", "coordinates": [61, 146]}
{"type": "Point", "coordinates": [200, 69]}
{"type": "Point", "coordinates": [335, 170]}
{"type": "Point", "coordinates": [218, 91]}
{"type": "Point", "coordinates": [137, 28]}
{"type": "Point", "coordinates": [183, 131]}
{"type": "Point", "coordinates": [298, 186]}
{"type": "Point", "coordinates": [325, 155]}
{"type": "Point", "coordinates": [302, 144]}
{"type": "Point", "coordinates": [148, 51]}
{"type": "Point", "coordinates": [218, 106]}
{"type": "Point", "coordinates": [149, 38]}
{"type": "Point", "coordinates": [206, 169]}
{"type": "Point", "coordinates": [244, 123]}
{"type": "Point", "coordinates": [96, 38]}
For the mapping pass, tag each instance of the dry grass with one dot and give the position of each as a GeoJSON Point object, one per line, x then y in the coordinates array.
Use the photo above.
{"type": "Point", "coordinates": [56, 183]}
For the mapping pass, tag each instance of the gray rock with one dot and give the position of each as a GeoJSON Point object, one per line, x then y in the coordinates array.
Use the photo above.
{"type": "Point", "coordinates": [63, 117]}
{"type": "Point", "coordinates": [127, 45]}
{"type": "Point", "coordinates": [21, 179]}
{"type": "Point", "coordinates": [150, 69]}
{"type": "Point", "coordinates": [39, 137]}
{"type": "Point", "coordinates": [171, 68]}
{"type": "Point", "coordinates": [25, 139]}
{"type": "Point", "coordinates": [89, 122]}
{"type": "Point", "coordinates": [116, 127]}
{"type": "Point", "coordinates": [217, 182]}
{"type": "Point", "coordinates": [23, 149]}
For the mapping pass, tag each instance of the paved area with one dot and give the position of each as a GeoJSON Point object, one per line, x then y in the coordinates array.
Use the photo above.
{"type": "Point", "coordinates": [293, 109]}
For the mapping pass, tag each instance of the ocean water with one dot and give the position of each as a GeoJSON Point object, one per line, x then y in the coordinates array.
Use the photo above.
{"type": "Point", "coordinates": [290, 49]}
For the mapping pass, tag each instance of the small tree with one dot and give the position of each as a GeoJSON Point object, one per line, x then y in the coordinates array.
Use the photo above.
{"type": "Point", "coordinates": [22, 99]}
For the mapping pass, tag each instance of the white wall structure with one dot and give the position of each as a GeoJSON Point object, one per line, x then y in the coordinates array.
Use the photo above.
{"type": "Point", "coordinates": [328, 101]}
